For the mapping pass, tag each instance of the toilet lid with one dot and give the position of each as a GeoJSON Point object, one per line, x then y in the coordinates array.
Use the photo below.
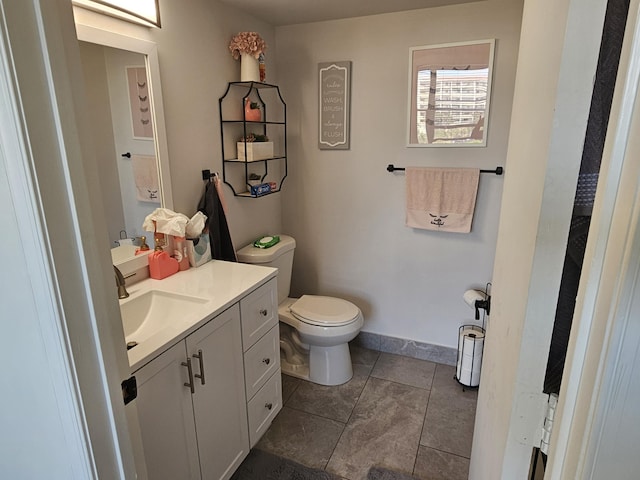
{"type": "Point", "coordinates": [324, 311]}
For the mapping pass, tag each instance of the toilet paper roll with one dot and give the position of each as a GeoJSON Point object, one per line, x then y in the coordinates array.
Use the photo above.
{"type": "Point", "coordinates": [469, 337]}
{"type": "Point", "coordinates": [470, 347]}
{"type": "Point", "coordinates": [470, 297]}
{"type": "Point", "coordinates": [469, 378]}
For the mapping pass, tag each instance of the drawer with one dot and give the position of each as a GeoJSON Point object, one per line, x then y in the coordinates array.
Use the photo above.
{"type": "Point", "coordinates": [261, 361]}
{"type": "Point", "coordinates": [259, 312]}
{"type": "Point", "coordinates": [264, 406]}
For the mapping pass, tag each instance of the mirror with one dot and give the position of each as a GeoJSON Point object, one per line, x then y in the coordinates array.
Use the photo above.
{"type": "Point", "coordinates": [123, 95]}
{"type": "Point", "coordinates": [449, 93]}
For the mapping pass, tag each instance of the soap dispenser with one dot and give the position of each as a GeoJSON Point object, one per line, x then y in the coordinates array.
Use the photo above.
{"type": "Point", "coordinates": [161, 265]}
{"type": "Point", "coordinates": [143, 246]}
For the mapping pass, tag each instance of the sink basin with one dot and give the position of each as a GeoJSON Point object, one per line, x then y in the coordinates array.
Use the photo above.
{"type": "Point", "coordinates": [153, 311]}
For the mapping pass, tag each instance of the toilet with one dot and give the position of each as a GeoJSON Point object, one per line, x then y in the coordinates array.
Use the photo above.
{"type": "Point", "coordinates": [314, 330]}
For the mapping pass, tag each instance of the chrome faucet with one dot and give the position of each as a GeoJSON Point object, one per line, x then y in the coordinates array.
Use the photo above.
{"type": "Point", "coordinates": [122, 291]}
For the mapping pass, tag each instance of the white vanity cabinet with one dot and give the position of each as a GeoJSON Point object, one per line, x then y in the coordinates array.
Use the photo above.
{"type": "Point", "coordinates": [204, 402]}
{"type": "Point", "coordinates": [195, 425]}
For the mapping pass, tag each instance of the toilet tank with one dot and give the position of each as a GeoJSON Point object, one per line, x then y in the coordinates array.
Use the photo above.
{"type": "Point", "coordinates": [279, 256]}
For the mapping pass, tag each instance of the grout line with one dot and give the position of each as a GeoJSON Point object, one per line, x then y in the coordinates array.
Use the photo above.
{"type": "Point", "coordinates": [444, 451]}
{"type": "Point", "coordinates": [400, 383]}
{"type": "Point", "coordinates": [345, 426]}
{"type": "Point", "coordinates": [314, 414]}
{"type": "Point", "coordinates": [424, 421]}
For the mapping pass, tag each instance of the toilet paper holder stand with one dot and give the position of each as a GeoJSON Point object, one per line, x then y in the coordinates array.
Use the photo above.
{"type": "Point", "coordinates": [479, 304]}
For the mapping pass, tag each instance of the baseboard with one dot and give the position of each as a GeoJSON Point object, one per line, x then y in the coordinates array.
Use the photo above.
{"type": "Point", "coordinates": [408, 348]}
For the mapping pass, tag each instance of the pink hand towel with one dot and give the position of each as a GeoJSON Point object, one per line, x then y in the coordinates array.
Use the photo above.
{"type": "Point", "coordinates": [441, 199]}
{"type": "Point", "coordinates": [145, 176]}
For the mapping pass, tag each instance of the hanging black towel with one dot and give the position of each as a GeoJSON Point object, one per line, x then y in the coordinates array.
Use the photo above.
{"type": "Point", "coordinates": [219, 235]}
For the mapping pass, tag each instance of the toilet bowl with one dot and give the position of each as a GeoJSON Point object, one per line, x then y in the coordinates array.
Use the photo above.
{"type": "Point", "coordinates": [319, 331]}
{"type": "Point", "coordinates": [314, 330]}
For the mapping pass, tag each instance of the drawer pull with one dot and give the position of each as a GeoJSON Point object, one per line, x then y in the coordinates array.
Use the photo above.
{"type": "Point", "coordinates": [268, 406]}
{"type": "Point", "coordinates": [190, 383]}
{"type": "Point", "coordinates": [266, 361]}
{"type": "Point", "coordinates": [263, 312]}
{"type": "Point", "coordinates": [200, 359]}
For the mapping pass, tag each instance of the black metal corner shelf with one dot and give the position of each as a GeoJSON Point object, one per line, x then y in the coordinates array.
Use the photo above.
{"type": "Point", "coordinates": [233, 122]}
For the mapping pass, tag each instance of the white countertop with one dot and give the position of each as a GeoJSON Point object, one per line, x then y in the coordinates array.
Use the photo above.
{"type": "Point", "coordinates": [221, 283]}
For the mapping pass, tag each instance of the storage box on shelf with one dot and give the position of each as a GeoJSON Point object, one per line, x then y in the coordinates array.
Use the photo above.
{"type": "Point", "coordinates": [255, 151]}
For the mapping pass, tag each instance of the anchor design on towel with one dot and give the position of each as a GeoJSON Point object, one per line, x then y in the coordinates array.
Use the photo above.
{"type": "Point", "coordinates": [438, 220]}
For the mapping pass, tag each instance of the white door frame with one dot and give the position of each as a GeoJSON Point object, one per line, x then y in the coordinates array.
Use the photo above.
{"type": "Point", "coordinates": [600, 312]}
{"type": "Point", "coordinates": [51, 177]}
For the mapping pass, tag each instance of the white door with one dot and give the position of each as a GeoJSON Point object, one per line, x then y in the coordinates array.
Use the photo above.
{"type": "Point", "coordinates": [219, 400]}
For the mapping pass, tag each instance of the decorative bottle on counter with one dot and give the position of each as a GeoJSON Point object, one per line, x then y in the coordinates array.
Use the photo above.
{"type": "Point", "coordinates": [180, 252]}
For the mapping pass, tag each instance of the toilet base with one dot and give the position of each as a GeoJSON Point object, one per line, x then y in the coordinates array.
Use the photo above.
{"type": "Point", "coordinates": [298, 371]}
{"type": "Point", "coordinates": [318, 364]}
{"type": "Point", "coordinates": [327, 368]}
{"type": "Point", "coordinates": [330, 365]}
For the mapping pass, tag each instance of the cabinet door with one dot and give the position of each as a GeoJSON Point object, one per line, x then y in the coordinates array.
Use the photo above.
{"type": "Point", "coordinates": [219, 400]}
{"type": "Point", "coordinates": [166, 418]}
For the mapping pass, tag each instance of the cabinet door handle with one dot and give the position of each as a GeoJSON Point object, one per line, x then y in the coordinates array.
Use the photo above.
{"type": "Point", "coordinates": [263, 312]}
{"type": "Point", "coordinates": [266, 361]}
{"type": "Point", "coordinates": [201, 361]}
{"type": "Point", "coordinates": [268, 406]}
{"type": "Point", "coordinates": [190, 383]}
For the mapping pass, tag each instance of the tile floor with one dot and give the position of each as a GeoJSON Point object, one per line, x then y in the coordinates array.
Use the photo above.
{"type": "Point", "coordinates": [397, 412]}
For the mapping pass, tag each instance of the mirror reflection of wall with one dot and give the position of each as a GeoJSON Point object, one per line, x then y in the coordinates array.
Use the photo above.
{"type": "Point", "coordinates": [449, 94]}
{"type": "Point", "coordinates": [115, 88]}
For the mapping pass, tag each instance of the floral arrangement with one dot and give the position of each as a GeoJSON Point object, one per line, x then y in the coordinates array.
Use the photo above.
{"type": "Point", "coordinates": [247, 42]}
{"type": "Point", "coordinates": [255, 137]}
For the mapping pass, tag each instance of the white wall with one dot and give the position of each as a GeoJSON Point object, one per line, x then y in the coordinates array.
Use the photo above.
{"type": "Point", "coordinates": [195, 67]}
{"type": "Point", "coordinates": [347, 212]}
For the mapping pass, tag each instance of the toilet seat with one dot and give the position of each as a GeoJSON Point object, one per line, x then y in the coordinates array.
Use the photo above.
{"type": "Point", "coordinates": [324, 311]}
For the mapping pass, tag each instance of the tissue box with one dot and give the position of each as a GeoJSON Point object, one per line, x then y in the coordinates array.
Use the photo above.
{"type": "Point", "coordinates": [201, 253]}
{"type": "Point", "coordinates": [262, 189]}
{"type": "Point", "coordinates": [255, 151]}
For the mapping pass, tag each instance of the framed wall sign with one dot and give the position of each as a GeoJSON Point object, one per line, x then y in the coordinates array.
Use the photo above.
{"type": "Point", "coordinates": [449, 93]}
{"type": "Point", "coordinates": [334, 108]}
{"type": "Point", "coordinates": [140, 103]}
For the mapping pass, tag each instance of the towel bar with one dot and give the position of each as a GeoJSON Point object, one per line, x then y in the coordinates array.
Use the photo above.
{"type": "Point", "coordinates": [498, 170]}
